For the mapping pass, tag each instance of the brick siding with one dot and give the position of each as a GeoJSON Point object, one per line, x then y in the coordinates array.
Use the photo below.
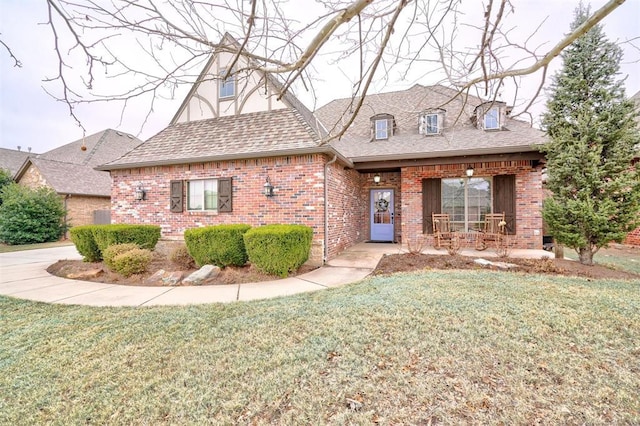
{"type": "Point", "coordinates": [80, 208]}
{"type": "Point", "coordinates": [529, 196]}
{"type": "Point", "coordinates": [298, 195]}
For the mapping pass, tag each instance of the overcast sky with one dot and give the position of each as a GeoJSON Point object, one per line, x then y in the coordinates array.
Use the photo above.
{"type": "Point", "coordinates": [29, 117]}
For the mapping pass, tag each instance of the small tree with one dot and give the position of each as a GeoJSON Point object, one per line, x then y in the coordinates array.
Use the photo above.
{"type": "Point", "coordinates": [595, 191]}
{"type": "Point", "coordinates": [30, 215]}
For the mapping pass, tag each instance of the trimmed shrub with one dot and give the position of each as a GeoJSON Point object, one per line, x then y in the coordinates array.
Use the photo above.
{"type": "Point", "coordinates": [279, 249]}
{"type": "Point", "coordinates": [30, 216]}
{"type": "Point", "coordinates": [82, 237]}
{"type": "Point", "coordinates": [181, 257]}
{"type": "Point", "coordinates": [116, 250]}
{"type": "Point", "coordinates": [220, 245]}
{"type": "Point", "coordinates": [145, 236]}
{"type": "Point", "coordinates": [132, 262]}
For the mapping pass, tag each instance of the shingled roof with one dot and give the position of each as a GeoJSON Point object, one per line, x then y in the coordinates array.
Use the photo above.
{"type": "Point", "coordinates": [253, 135]}
{"type": "Point", "coordinates": [69, 169]}
{"type": "Point", "coordinates": [11, 159]}
{"type": "Point", "coordinates": [459, 137]}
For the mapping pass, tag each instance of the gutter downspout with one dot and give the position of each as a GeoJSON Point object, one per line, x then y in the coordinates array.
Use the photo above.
{"type": "Point", "coordinates": [326, 210]}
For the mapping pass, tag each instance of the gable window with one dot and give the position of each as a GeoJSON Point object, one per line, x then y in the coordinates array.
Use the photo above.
{"type": "Point", "coordinates": [202, 195]}
{"type": "Point", "coordinates": [382, 129]}
{"type": "Point", "coordinates": [492, 119]}
{"type": "Point", "coordinates": [227, 88]}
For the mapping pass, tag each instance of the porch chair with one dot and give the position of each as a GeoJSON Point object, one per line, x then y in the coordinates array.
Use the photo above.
{"type": "Point", "coordinates": [493, 228]}
{"type": "Point", "coordinates": [441, 230]}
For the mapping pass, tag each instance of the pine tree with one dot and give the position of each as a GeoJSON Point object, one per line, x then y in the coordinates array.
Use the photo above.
{"type": "Point", "coordinates": [593, 139]}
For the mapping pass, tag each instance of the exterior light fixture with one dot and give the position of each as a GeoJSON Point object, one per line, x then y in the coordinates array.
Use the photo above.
{"type": "Point", "coordinates": [469, 171]}
{"type": "Point", "coordinates": [376, 178]}
{"type": "Point", "coordinates": [267, 188]}
{"type": "Point", "coordinates": [140, 194]}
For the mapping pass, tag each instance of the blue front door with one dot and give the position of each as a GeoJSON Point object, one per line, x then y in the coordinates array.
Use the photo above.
{"type": "Point", "coordinates": [382, 228]}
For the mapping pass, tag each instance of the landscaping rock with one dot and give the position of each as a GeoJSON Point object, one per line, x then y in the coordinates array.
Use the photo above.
{"type": "Point", "coordinates": [204, 275]}
{"type": "Point", "coordinates": [91, 273]}
{"type": "Point", "coordinates": [483, 262]}
{"type": "Point", "coordinates": [499, 265]}
{"type": "Point", "coordinates": [165, 278]}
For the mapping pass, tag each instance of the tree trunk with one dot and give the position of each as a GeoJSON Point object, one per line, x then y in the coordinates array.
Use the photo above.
{"type": "Point", "coordinates": [558, 250]}
{"type": "Point", "coordinates": [586, 255]}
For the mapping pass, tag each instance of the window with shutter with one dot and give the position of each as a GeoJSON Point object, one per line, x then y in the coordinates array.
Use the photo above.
{"type": "Point", "coordinates": [176, 199]}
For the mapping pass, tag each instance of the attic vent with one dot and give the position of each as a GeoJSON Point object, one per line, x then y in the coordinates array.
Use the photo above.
{"type": "Point", "coordinates": [130, 137]}
{"type": "Point", "coordinates": [118, 133]}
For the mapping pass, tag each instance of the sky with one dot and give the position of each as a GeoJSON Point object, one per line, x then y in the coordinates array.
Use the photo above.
{"type": "Point", "coordinates": [29, 117]}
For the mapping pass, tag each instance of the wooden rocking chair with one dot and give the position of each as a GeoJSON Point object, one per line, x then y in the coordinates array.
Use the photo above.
{"type": "Point", "coordinates": [493, 228]}
{"type": "Point", "coordinates": [441, 230]}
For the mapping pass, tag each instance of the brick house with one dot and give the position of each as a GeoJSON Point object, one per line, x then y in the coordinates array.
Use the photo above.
{"type": "Point", "coordinates": [70, 171]}
{"type": "Point", "coordinates": [406, 155]}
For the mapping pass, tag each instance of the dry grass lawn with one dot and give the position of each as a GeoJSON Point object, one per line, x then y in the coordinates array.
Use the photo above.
{"type": "Point", "coordinates": [440, 347]}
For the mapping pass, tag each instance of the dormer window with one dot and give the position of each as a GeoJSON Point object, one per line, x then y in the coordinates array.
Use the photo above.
{"type": "Point", "coordinates": [431, 122]}
{"type": "Point", "coordinates": [227, 87]}
{"type": "Point", "coordinates": [382, 129]}
{"type": "Point", "coordinates": [492, 119]}
{"type": "Point", "coordinates": [383, 126]}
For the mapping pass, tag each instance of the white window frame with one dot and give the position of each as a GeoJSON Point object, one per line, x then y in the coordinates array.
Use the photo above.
{"type": "Point", "coordinates": [226, 85]}
{"type": "Point", "coordinates": [201, 194]}
{"type": "Point", "coordinates": [428, 129]}
{"type": "Point", "coordinates": [492, 114]}
{"type": "Point", "coordinates": [382, 130]}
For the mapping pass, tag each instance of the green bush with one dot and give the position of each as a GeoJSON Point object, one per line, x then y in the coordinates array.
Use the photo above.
{"type": "Point", "coordinates": [145, 236]}
{"type": "Point", "coordinates": [220, 245]}
{"type": "Point", "coordinates": [278, 249]}
{"type": "Point", "coordinates": [116, 250]}
{"type": "Point", "coordinates": [30, 216]}
{"type": "Point", "coordinates": [181, 257]}
{"type": "Point", "coordinates": [82, 237]}
{"type": "Point", "coordinates": [5, 180]}
{"type": "Point", "coordinates": [132, 262]}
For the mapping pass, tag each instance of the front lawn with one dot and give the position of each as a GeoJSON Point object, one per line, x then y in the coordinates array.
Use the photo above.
{"type": "Point", "coordinates": [446, 347]}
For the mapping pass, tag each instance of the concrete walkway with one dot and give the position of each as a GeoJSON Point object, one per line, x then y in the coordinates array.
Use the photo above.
{"type": "Point", "coordinates": [23, 275]}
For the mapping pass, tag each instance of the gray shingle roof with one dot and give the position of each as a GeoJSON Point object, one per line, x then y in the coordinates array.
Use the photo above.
{"type": "Point", "coordinates": [77, 179]}
{"type": "Point", "coordinates": [460, 136]}
{"type": "Point", "coordinates": [71, 170]}
{"type": "Point", "coordinates": [102, 147]}
{"type": "Point", "coordinates": [12, 160]}
{"type": "Point", "coordinates": [260, 134]}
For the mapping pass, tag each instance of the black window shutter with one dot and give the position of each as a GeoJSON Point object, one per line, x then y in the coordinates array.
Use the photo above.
{"type": "Point", "coordinates": [431, 202]}
{"type": "Point", "coordinates": [225, 190]}
{"type": "Point", "coordinates": [176, 197]}
{"type": "Point", "coordinates": [504, 199]}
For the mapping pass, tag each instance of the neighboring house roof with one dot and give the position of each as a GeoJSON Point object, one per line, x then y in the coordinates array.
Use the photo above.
{"type": "Point", "coordinates": [459, 137]}
{"type": "Point", "coordinates": [71, 178]}
{"type": "Point", "coordinates": [102, 147]}
{"type": "Point", "coordinates": [253, 135]}
{"type": "Point", "coordinates": [11, 159]}
{"type": "Point", "coordinates": [69, 169]}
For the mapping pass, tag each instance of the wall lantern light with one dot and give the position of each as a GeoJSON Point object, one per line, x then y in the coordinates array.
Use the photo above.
{"type": "Point", "coordinates": [376, 178]}
{"type": "Point", "coordinates": [469, 171]}
{"type": "Point", "coordinates": [140, 194]}
{"type": "Point", "coordinates": [268, 188]}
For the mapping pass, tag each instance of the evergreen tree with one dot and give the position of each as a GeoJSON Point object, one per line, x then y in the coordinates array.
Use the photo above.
{"type": "Point", "coordinates": [593, 139]}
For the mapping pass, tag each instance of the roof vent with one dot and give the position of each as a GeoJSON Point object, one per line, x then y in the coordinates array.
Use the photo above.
{"type": "Point", "coordinates": [130, 136]}
{"type": "Point", "coordinates": [118, 133]}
